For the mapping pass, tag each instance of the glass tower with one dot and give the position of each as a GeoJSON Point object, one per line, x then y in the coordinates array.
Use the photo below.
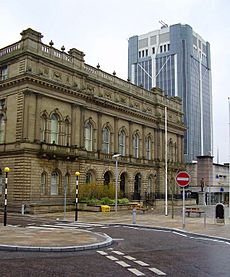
{"type": "Point", "coordinates": [177, 60]}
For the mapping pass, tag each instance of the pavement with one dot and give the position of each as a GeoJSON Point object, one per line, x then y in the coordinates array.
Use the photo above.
{"type": "Point", "coordinates": [45, 239]}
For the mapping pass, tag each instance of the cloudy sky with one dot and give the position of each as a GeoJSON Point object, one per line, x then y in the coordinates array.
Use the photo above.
{"type": "Point", "coordinates": [101, 28]}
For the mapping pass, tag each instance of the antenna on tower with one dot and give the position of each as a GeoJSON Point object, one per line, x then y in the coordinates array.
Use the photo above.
{"type": "Point", "coordinates": [163, 24]}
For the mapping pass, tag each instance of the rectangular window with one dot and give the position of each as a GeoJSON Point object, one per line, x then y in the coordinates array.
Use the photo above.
{"type": "Point", "coordinates": [165, 48]}
{"type": "Point", "coordinates": [168, 47]}
{"type": "Point", "coordinates": [153, 50]}
{"type": "Point", "coordinates": [3, 73]}
{"type": "Point", "coordinates": [161, 49]}
{"type": "Point", "coordinates": [139, 54]}
{"type": "Point", "coordinates": [146, 52]}
{"type": "Point", "coordinates": [143, 53]}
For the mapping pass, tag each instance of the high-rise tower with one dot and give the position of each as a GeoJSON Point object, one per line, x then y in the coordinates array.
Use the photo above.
{"type": "Point", "coordinates": [177, 60]}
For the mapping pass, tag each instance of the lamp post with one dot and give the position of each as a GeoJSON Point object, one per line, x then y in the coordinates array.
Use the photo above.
{"type": "Point", "coordinates": [116, 156]}
{"type": "Point", "coordinates": [77, 174]}
{"type": "Point", "coordinates": [6, 170]}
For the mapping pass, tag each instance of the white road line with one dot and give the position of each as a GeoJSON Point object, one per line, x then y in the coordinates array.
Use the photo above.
{"type": "Point", "coordinates": [130, 258]}
{"type": "Point", "coordinates": [118, 253]}
{"type": "Point", "coordinates": [180, 234]}
{"type": "Point", "coordinates": [157, 271]}
{"type": "Point", "coordinates": [117, 239]}
{"type": "Point", "coordinates": [102, 253]}
{"type": "Point", "coordinates": [112, 258]}
{"type": "Point", "coordinates": [41, 228]}
{"type": "Point", "coordinates": [136, 272]}
{"type": "Point", "coordinates": [124, 264]}
{"type": "Point", "coordinates": [141, 263]}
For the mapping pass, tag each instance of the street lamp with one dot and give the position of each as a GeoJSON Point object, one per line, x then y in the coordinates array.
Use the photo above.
{"type": "Point", "coordinates": [6, 170]}
{"type": "Point", "coordinates": [77, 174]}
{"type": "Point", "coordinates": [116, 156]}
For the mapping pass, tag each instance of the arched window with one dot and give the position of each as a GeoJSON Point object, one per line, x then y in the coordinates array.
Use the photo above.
{"type": "Point", "coordinates": [2, 129]}
{"type": "Point", "coordinates": [107, 177]}
{"type": "Point", "coordinates": [89, 177]}
{"type": "Point", "coordinates": [43, 183]}
{"type": "Point", "coordinates": [136, 145]}
{"type": "Point", "coordinates": [54, 129]}
{"type": "Point", "coordinates": [106, 140]}
{"type": "Point", "coordinates": [170, 150]}
{"type": "Point", "coordinates": [43, 127]}
{"type": "Point", "coordinates": [150, 185]}
{"type": "Point", "coordinates": [148, 148]}
{"type": "Point", "coordinates": [88, 136]}
{"type": "Point", "coordinates": [67, 132]}
{"type": "Point", "coordinates": [54, 183]}
{"type": "Point", "coordinates": [121, 141]}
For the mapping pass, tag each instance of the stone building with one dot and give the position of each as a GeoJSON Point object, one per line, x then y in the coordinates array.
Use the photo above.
{"type": "Point", "coordinates": [59, 115]}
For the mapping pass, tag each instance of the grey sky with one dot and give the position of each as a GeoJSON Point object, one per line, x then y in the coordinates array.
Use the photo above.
{"type": "Point", "coordinates": [101, 29]}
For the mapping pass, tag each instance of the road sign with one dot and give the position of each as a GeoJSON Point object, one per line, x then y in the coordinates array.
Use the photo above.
{"type": "Point", "coordinates": [183, 178]}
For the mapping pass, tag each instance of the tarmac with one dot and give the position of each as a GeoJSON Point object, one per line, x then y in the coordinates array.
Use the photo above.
{"type": "Point", "coordinates": [43, 239]}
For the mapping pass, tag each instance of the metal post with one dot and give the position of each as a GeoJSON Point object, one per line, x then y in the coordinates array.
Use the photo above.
{"type": "Point", "coordinates": [6, 170]}
{"type": "Point", "coordinates": [77, 174]}
{"type": "Point", "coordinates": [183, 210]}
{"type": "Point", "coordinates": [166, 163]}
{"type": "Point", "coordinates": [134, 215]}
{"type": "Point", "coordinates": [65, 181]}
{"type": "Point", "coordinates": [229, 160]}
{"type": "Point", "coordinates": [116, 184]}
{"type": "Point", "coordinates": [116, 156]}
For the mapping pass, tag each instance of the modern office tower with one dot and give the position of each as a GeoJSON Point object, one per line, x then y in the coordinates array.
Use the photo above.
{"type": "Point", "coordinates": [177, 60]}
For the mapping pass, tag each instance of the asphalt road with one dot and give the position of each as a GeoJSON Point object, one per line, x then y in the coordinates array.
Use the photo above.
{"type": "Point", "coordinates": [135, 252]}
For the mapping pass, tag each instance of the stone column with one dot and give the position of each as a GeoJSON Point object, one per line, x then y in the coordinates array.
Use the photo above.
{"type": "Point", "coordinates": [37, 135]}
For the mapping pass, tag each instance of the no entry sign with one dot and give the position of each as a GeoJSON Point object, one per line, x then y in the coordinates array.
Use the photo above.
{"type": "Point", "coordinates": [183, 178]}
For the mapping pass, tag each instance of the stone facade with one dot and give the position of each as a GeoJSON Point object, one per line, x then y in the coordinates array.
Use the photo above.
{"type": "Point", "coordinates": [59, 115]}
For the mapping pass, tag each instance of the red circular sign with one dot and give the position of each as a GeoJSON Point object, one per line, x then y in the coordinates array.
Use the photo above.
{"type": "Point", "coordinates": [183, 178]}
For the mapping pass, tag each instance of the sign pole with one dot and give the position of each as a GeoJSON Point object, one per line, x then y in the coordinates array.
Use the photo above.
{"type": "Point", "coordinates": [183, 210]}
{"type": "Point", "coordinates": [183, 179]}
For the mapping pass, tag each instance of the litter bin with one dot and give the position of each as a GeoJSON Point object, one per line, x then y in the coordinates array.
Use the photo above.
{"type": "Point", "coordinates": [105, 208]}
{"type": "Point", "coordinates": [220, 213]}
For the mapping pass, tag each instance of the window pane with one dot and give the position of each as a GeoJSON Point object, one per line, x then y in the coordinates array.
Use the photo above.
{"type": "Point", "coordinates": [2, 129]}
{"type": "Point", "coordinates": [121, 140]}
{"type": "Point", "coordinates": [54, 128]}
{"type": "Point", "coordinates": [88, 137]}
{"type": "Point", "coordinates": [43, 183]}
{"type": "Point", "coordinates": [106, 140]}
{"type": "Point", "coordinates": [54, 183]}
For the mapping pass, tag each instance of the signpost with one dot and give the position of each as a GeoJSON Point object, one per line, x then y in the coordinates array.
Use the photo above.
{"type": "Point", "coordinates": [183, 179]}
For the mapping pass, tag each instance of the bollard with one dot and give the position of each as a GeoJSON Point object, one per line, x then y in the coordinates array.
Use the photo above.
{"type": "Point", "coordinates": [134, 216]}
{"type": "Point", "coordinates": [23, 209]}
{"type": "Point", "coordinates": [6, 170]}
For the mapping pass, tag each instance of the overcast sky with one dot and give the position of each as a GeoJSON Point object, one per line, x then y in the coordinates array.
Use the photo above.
{"type": "Point", "coordinates": [101, 28]}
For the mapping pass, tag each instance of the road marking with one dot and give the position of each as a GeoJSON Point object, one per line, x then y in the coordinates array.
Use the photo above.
{"type": "Point", "coordinates": [124, 264]}
{"type": "Point", "coordinates": [157, 271]}
{"type": "Point", "coordinates": [130, 258]}
{"type": "Point", "coordinates": [141, 263]}
{"type": "Point", "coordinates": [117, 239]}
{"type": "Point", "coordinates": [102, 253]}
{"type": "Point", "coordinates": [136, 272]}
{"type": "Point", "coordinates": [179, 234]}
{"type": "Point", "coordinates": [118, 253]}
{"type": "Point", "coordinates": [112, 258]}
{"type": "Point", "coordinates": [42, 228]}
